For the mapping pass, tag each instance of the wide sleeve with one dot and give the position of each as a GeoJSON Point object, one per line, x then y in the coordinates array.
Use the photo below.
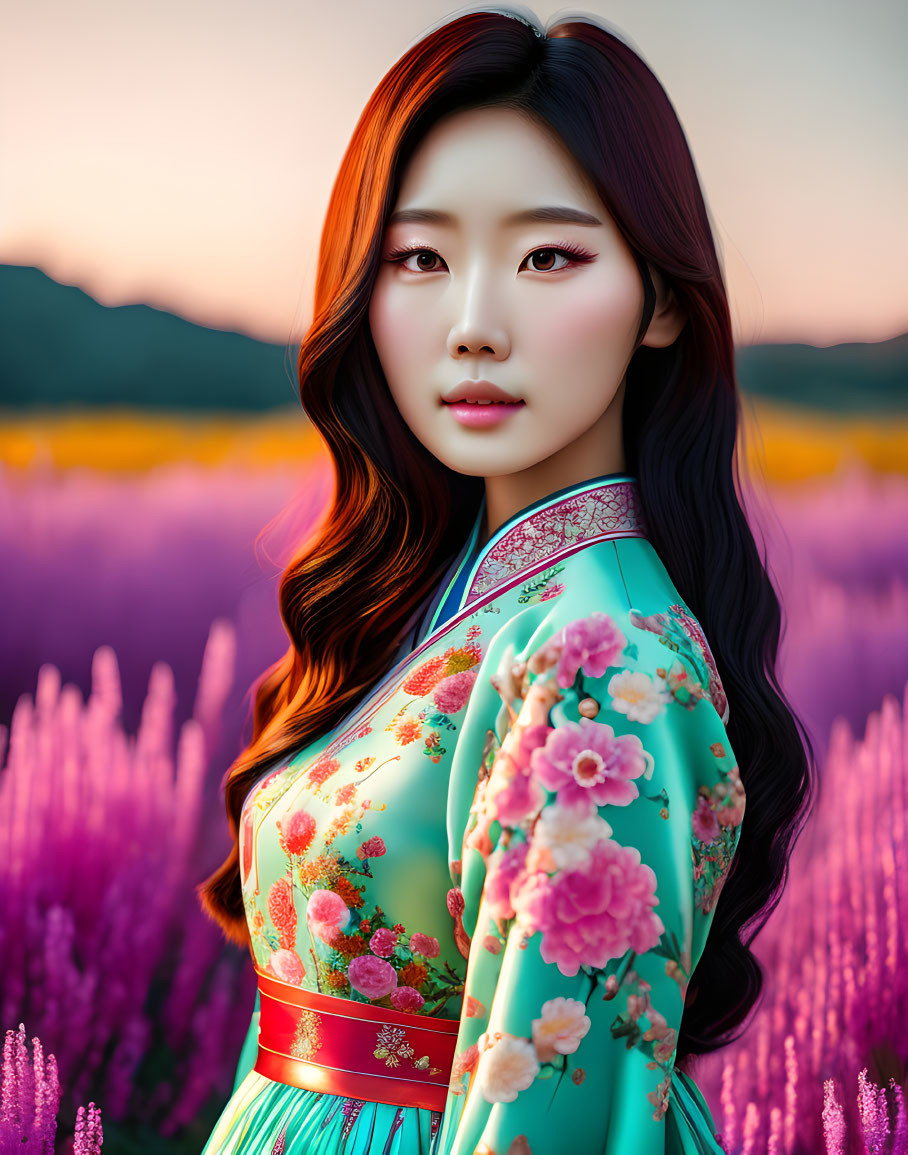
{"type": "Point", "coordinates": [600, 820]}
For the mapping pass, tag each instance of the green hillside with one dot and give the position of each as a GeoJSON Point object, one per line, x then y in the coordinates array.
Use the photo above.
{"type": "Point", "coordinates": [59, 346]}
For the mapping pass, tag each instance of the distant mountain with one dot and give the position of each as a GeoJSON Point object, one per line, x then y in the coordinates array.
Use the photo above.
{"type": "Point", "coordinates": [867, 378]}
{"type": "Point", "coordinates": [60, 347]}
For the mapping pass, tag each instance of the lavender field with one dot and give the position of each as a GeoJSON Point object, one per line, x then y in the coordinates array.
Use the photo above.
{"type": "Point", "coordinates": [137, 610]}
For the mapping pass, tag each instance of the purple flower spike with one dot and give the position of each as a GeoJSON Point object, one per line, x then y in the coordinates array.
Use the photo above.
{"type": "Point", "coordinates": [113, 957]}
{"type": "Point", "coordinates": [29, 1096]}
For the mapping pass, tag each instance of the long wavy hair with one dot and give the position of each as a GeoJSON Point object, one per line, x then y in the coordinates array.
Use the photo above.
{"type": "Point", "coordinates": [399, 515]}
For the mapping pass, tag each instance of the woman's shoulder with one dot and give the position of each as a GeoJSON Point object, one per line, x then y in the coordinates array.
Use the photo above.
{"type": "Point", "coordinates": [625, 581]}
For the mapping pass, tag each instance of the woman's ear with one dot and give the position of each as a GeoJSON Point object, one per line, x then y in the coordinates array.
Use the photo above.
{"type": "Point", "coordinates": [668, 318]}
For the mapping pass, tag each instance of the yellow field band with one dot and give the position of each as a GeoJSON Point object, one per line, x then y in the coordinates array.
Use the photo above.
{"type": "Point", "coordinates": [785, 444]}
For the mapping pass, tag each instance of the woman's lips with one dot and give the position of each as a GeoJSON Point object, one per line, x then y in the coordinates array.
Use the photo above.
{"type": "Point", "coordinates": [479, 416]}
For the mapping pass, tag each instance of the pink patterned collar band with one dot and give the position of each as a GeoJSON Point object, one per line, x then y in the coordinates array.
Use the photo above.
{"type": "Point", "coordinates": [594, 510]}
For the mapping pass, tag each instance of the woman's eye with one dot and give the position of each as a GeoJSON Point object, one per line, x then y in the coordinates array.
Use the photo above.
{"type": "Point", "coordinates": [544, 259]}
{"type": "Point", "coordinates": [548, 256]}
{"type": "Point", "coordinates": [425, 260]}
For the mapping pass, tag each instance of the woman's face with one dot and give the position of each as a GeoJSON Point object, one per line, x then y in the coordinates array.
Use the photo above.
{"type": "Point", "coordinates": [483, 279]}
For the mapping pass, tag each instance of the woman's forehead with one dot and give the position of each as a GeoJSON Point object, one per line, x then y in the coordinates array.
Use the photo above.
{"type": "Point", "coordinates": [498, 163]}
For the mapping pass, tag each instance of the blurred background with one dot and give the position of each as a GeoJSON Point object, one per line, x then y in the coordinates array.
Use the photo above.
{"type": "Point", "coordinates": [166, 172]}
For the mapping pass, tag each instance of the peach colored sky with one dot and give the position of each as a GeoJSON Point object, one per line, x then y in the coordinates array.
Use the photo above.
{"type": "Point", "coordinates": [181, 153]}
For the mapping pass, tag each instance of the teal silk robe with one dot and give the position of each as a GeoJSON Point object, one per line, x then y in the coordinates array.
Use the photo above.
{"type": "Point", "coordinates": [529, 821]}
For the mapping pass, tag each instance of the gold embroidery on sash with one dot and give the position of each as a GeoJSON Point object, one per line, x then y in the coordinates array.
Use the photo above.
{"type": "Point", "coordinates": [307, 1039]}
{"type": "Point", "coordinates": [392, 1045]}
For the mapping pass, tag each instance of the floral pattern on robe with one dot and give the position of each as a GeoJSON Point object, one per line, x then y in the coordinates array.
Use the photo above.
{"type": "Point", "coordinates": [526, 827]}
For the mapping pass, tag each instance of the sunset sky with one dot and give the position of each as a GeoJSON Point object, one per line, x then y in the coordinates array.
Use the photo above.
{"type": "Point", "coordinates": [181, 153]}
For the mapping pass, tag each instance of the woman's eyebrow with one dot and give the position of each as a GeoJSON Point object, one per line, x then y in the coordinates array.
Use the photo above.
{"type": "Point", "coordinates": [545, 214]}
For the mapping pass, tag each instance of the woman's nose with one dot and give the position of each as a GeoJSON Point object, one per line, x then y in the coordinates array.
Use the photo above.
{"type": "Point", "coordinates": [478, 325]}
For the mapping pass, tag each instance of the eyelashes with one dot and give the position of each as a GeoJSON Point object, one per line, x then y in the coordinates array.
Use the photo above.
{"type": "Point", "coordinates": [574, 253]}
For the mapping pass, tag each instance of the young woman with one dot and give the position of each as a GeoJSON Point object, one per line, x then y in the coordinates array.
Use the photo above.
{"type": "Point", "coordinates": [497, 784]}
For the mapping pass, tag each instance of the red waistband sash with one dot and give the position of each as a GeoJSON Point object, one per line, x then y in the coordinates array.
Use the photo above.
{"type": "Point", "coordinates": [342, 1047]}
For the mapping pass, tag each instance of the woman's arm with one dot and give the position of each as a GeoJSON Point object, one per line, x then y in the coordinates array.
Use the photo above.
{"type": "Point", "coordinates": [603, 826]}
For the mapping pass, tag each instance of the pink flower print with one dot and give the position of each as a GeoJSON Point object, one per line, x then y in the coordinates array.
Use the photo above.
{"type": "Point", "coordinates": [507, 1067]}
{"type": "Point", "coordinates": [345, 794]}
{"type": "Point", "coordinates": [591, 644]}
{"type": "Point", "coordinates": [520, 743]}
{"type": "Point", "coordinates": [658, 1027]}
{"type": "Point", "coordinates": [296, 832]}
{"type": "Point", "coordinates": [455, 902]}
{"type": "Point", "coordinates": [282, 912]}
{"type": "Point", "coordinates": [383, 942]}
{"type": "Point", "coordinates": [730, 815]}
{"type": "Point", "coordinates": [659, 1098]}
{"type": "Point", "coordinates": [552, 591]}
{"type": "Point", "coordinates": [591, 915]}
{"type": "Point", "coordinates": [371, 976]}
{"type": "Point", "coordinates": [466, 1061]}
{"type": "Point", "coordinates": [505, 868]}
{"type": "Point", "coordinates": [637, 1005]}
{"type": "Point", "coordinates": [456, 906]}
{"type": "Point", "coordinates": [322, 771]}
{"type": "Point", "coordinates": [287, 966]}
{"type": "Point", "coordinates": [326, 912]}
{"type": "Point", "coordinates": [406, 999]}
{"type": "Point", "coordinates": [452, 693]}
{"type": "Point", "coordinates": [665, 1047]}
{"type": "Point", "coordinates": [515, 799]}
{"type": "Point", "coordinates": [585, 762]}
{"type": "Point", "coordinates": [560, 1027]}
{"type": "Point", "coordinates": [372, 848]}
{"type": "Point", "coordinates": [703, 821]}
{"type": "Point", "coordinates": [425, 945]}
{"type": "Point", "coordinates": [511, 795]}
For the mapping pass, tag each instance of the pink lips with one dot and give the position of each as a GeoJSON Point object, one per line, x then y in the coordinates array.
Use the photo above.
{"type": "Point", "coordinates": [480, 404]}
{"type": "Point", "coordinates": [477, 416]}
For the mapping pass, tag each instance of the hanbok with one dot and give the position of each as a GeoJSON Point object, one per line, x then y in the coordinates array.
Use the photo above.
{"type": "Point", "coordinates": [477, 904]}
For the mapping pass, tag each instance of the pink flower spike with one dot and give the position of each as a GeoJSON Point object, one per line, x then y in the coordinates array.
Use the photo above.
{"type": "Point", "coordinates": [834, 1129]}
{"type": "Point", "coordinates": [452, 693]}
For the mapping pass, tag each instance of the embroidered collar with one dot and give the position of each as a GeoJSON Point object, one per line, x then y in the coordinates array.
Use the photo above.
{"type": "Point", "coordinates": [538, 535]}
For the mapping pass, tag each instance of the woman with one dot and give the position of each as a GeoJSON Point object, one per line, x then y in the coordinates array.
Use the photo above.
{"type": "Point", "coordinates": [497, 783]}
